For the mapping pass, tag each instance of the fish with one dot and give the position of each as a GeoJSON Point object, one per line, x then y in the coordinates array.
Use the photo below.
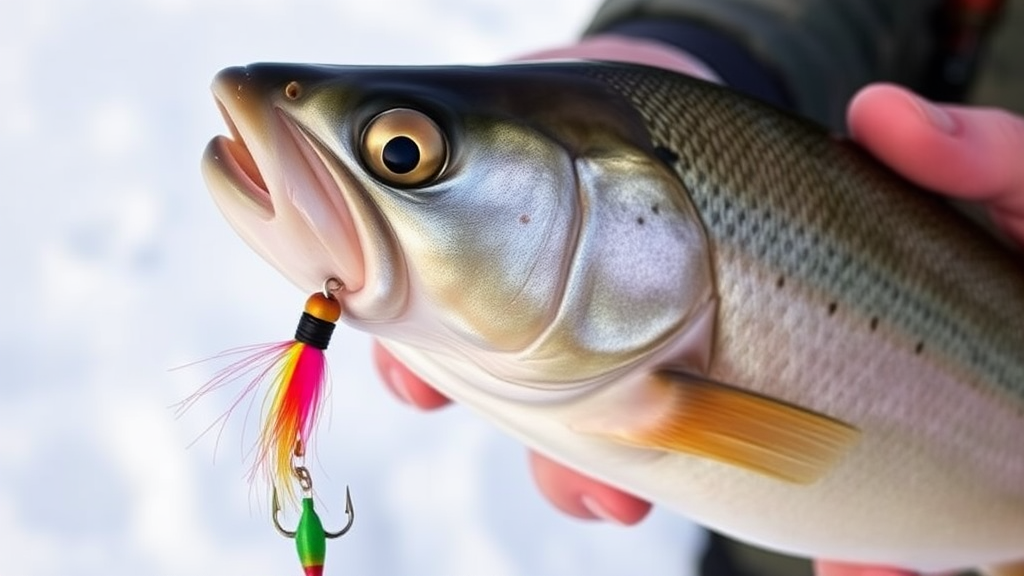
{"type": "Point", "coordinates": [700, 299]}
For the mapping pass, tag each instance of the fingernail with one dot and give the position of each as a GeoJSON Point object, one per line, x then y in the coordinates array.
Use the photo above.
{"type": "Point", "coordinates": [937, 116]}
{"type": "Point", "coordinates": [397, 381]}
{"type": "Point", "coordinates": [599, 511]}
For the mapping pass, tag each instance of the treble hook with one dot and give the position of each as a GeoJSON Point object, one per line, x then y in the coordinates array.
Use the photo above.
{"type": "Point", "coordinates": [309, 534]}
{"type": "Point", "coordinates": [307, 508]}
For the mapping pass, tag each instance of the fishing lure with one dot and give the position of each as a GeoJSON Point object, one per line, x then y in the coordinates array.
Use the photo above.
{"type": "Point", "coordinates": [309, 534]}
{"type": "Point", "coordinates": [297, 373]}
{"type": "Point", "coordinates": [298, 386]}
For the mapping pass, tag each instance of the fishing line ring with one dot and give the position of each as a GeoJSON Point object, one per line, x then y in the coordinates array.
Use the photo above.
{"type": "Point", "coordinates": [332, 285]}
{"type": "Point", "coordinates": [305, 480]}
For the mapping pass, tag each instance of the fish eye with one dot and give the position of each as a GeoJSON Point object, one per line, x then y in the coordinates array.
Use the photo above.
{"type": "Point", "coordinates": [404, 147]}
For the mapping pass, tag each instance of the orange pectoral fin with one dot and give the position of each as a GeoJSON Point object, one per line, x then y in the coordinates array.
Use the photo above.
{"type": "Point", "coordinates": [683, 413]}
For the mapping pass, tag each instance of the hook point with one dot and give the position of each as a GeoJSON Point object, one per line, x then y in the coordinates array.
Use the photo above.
{"type": "Point", "coordinates": [349, 511]}
{"type": "Point", "coordinates": [275, 505]}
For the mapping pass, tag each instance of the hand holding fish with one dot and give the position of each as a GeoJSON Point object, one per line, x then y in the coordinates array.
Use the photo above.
{"type": "Point", "coordinates": [969, 153]}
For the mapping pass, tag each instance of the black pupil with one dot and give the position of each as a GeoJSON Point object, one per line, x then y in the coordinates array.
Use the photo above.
{"type": "Point", "coordinates": [401, 155]}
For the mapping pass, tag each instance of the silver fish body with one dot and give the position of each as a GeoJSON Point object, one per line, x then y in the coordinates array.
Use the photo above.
{"type": "Point", "coordinates": [537, 240]}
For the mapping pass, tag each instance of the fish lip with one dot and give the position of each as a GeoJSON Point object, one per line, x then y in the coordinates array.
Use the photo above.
{"type": "Point", "coordinates": [309, 148]}
{"type": "Point", "coordinates": [233, 157]}
{"type": "Point", "coordinates": [282, 183]}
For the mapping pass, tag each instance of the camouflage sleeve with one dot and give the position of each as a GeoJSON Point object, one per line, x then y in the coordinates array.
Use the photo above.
{"type": "Point", "coordinates": [821, 50]}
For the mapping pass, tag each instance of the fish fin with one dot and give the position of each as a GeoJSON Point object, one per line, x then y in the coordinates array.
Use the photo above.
{"type": "Point", "coordinates": [678, 412]}
{"type": "Point", "coordinates": [1012, 569]}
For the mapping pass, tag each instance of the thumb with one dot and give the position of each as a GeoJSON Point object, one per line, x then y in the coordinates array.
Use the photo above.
{"type": "Point", "coordinates": [971, 153]}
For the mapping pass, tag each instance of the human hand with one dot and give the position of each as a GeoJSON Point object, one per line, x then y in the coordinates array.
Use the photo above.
{"type": "Point", "coordinates": [963, 152]}
{"type": "Point", "coordinates": [973, 154]}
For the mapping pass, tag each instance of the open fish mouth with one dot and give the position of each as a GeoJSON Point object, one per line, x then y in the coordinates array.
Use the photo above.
{"type": "Point", "coordinates": [275, 190]}
{"type": "Point", "coordinates": [238, 161]}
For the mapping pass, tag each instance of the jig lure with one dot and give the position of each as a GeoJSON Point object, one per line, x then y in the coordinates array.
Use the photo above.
{"type": "Point", "coordinates": [297, 374]}
{"type": "Point", "coordinates": [298, 387]}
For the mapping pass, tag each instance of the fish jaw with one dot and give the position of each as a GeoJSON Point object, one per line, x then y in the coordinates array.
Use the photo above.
{"type": "Point", "coordinates": [276, 191]}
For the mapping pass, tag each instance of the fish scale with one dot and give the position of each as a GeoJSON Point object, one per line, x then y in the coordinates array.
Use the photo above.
{"type": "Point", "coordinates": [873, 242]}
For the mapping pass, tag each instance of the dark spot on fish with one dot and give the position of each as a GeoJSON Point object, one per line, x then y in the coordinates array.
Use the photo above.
{"type": "Point", "coordinates": [780, 282]}
{"type": "Point", "coordinates": [874, 323]}
{"type": "Point", "coordinates": [656, 209]}
{"type": "Point", "coordinates": [640, 220]}
{"type": "Point", "coordinates": [920, 347]}
{"type": "Point", "coordinates": [524, 219]}
{"type": "Point", "coordinates": [832, 308]}
{"type": "Point", "coordinates": [666, 155]}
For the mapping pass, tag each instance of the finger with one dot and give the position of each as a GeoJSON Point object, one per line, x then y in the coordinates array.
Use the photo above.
{"type": "Point", "coordinates": [405, 385]}
{"type": "Point", "coordinates": [583, 497]}
{"type": "Point", "coordinates": [971, 153]}
{"type": "Point", "coordinates": [826, 568]}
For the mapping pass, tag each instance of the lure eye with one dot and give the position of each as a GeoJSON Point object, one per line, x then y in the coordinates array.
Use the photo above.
{"type": "Point", "coordinates": [404, 147]}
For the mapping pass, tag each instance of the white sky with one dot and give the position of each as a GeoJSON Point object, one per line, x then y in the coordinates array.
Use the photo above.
{"type": "Point", "coordinates": [116, 267]}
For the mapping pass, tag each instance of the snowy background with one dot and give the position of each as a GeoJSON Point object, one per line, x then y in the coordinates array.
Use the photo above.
{"type": "Point", "coordinates": [116, 267]}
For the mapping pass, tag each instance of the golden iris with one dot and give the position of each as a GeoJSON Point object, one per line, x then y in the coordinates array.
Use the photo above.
{"type": "Point", "coordinates": [404, 147]}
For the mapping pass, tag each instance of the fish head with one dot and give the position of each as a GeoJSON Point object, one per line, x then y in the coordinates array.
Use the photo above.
{"type": "Point", "coordinates": [513, 218]}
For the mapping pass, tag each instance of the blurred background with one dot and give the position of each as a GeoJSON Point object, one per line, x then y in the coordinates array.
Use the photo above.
{"type": "Point", "coordinates": [115, 267]}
